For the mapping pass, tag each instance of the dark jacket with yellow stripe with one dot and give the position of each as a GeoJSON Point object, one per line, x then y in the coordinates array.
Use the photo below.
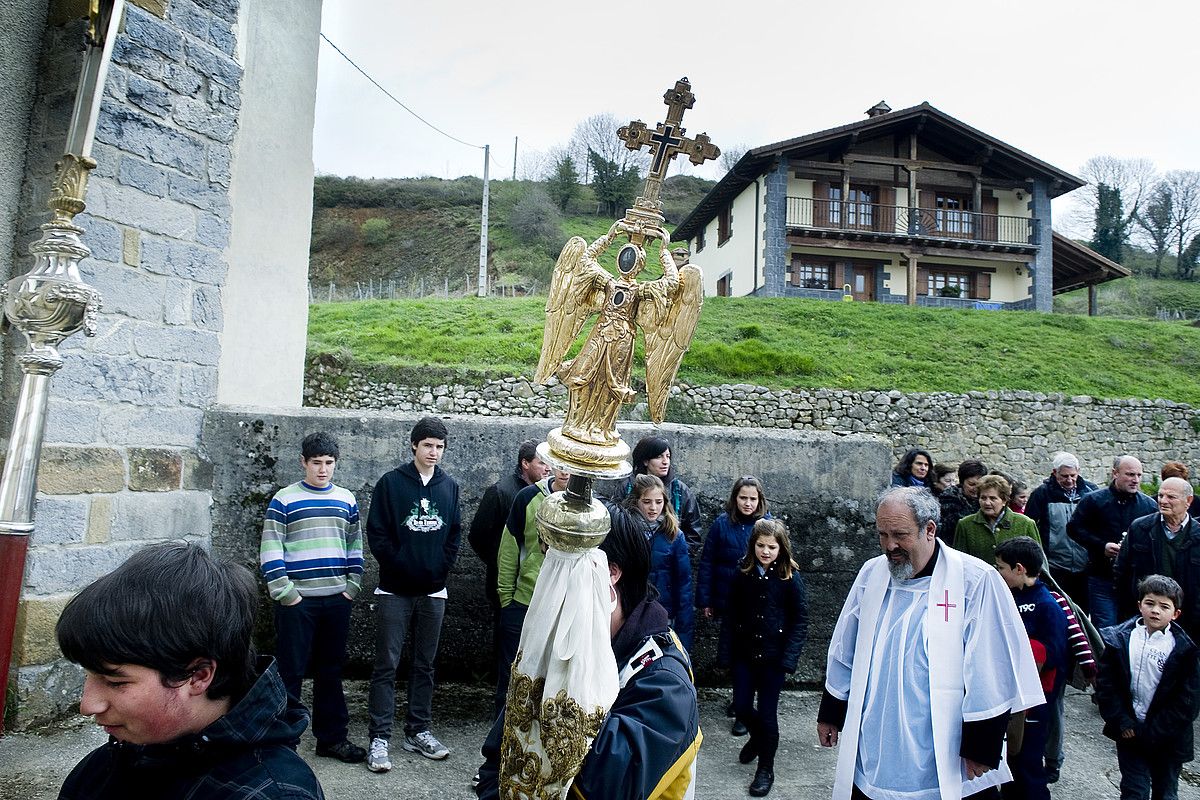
{"type": "Point", "coordinates": [647, 745]}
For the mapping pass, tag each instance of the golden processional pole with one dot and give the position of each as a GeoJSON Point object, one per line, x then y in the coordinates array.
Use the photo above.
{"type": "Point", "coordinates": [48, 304]}
{"type": "Point", "coordinates": [564, 678]}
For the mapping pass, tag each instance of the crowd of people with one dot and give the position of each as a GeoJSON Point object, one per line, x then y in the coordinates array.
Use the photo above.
{"type": "Point", "coordinates": [945, 673]}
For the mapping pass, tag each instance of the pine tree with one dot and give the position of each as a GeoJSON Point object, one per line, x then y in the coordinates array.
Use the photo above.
{"type": "Point", "coordinates": [1112, 229]}
{"type": "Point", "coordinates": [563, 183]}
{"type": "Point", "coordinates": [615, 187]}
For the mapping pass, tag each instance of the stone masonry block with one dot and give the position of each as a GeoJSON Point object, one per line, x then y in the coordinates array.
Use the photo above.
{"type": "Point", "coordinates": [128, 292]}
{"type": "Point", "coordinates": [148, 96]}
{"type": "Point", "coordinates": [104, 378]}
{"type": "Point", "coordinates": [146, 425]}
{"type": "Point", "coordinates": [220, 36]}
{"type": "Point", "coordinates": [198, 386]}
{"type": "Point", "coordinates": [102, 238]}
{"type": "Point", "coordinates": [153, 469]}
{"type": "Point", "coordinates": [53, 569]}
{"type": "Point", "coordinates": [143, 175]}
{"type": "Point", "coordinates": [139, 59]}
{"type": "Point", "coordinates": [211, 230]}
{"type": "Point", "coordinates": [217, 66]}
{"type": "Point", "coordinates": [81, 470]}
{"type": "Point", "coordinates": [113, 338]}
{"type": "Point", "coordinates": [197, 472]}
{"type": "Point", "coordinates": [47, 692]}
{"type": "Point", "coordinates": [219, 163]}
{"type": "Point", "coordinates": [131, 247]}
{"type": "Point", "coordinates": [100, 518]}
{"type": "Point", "coordinates": [144, 30]}
{"type": "Point", "coordinates": [182, 260]}
{"type": "Point", "coordinates": [155, 215]}
{"type": "Point", "coordinates": [169, 515]}
{"type": "Point", "coordinates": [60, 520]}
{"type": "Point", "coordinates": [206, 307]}
{"type": "Point", "coordinates": [179, 344]}
{"type": "Point", "coordinates": [199, 117]}
{"type": "Point", "coordinates": [181, 79]}
{"type": "Point", "coordinates": [199, 193]}
{"type": "Point", "coordinates": [71, 423]}
{"type": "Point", "coordinates": [34, 642]}
{"type": "Point", "coordinates": [177, 302]}
{"type": "Point", "coordinates": [190, 18]}
{"type": "Point", "coordinates": [225, 9]}
{"type": "Point", "coordinates": [136, 133]}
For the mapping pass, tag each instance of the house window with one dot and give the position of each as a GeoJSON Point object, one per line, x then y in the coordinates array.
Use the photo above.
{"type": "Point", "coordinates": [724, 286]}
{"type": "Point", "coordinates": [860, 211]}
{"type": "Point", "coordinates": [724, 225]}
{"type": "Point", "coordinates": [700, 240]}
{"type": "Point", "coordinates": [949, 284]}
{"type": "Point", "coordinates": [953, 214]}
{"type": "Point", "coordinates": [812, 275]}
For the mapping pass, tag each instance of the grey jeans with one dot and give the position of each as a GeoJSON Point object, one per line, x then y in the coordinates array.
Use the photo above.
{"type": "Point", "coordinates": [397, 615]}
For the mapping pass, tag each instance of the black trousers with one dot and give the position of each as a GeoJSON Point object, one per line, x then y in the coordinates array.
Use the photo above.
{"type": "Point", "coordinates": [311, 637]}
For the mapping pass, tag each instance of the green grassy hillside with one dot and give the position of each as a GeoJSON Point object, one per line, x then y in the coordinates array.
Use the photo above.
{"type": "Point", "coordinates": [797, 343]}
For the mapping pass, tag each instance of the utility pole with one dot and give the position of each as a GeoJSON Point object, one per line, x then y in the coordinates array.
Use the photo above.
{"type": "Point", "coordinates": [482, 292]}
{"type": "Point", "coordinates": [515, 158]}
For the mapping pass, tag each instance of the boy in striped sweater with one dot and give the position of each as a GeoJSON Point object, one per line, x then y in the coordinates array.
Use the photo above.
{"type": "Point", "coordinates": [311, 556]}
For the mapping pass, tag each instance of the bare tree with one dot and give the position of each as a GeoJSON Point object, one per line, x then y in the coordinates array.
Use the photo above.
{"type": "Point", "coordinates": [1155, 219]}
{"type": "Point", "coordinates": [1184, 186]}
{"type": "Point", "coordinates": [731, 155]}
{"type": "Point", "coordinates": [1134, 178]}
{"type": "Point", "coordinates": [598, 134]}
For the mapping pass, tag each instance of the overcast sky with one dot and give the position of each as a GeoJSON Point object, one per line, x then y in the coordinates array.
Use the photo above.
{"type": "Point", "coordinates": [1062, 80]}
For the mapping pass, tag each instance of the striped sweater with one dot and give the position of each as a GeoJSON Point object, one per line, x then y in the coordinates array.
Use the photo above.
{"type": "Point", "coordinates": [1077, 642]}
{"type": "Point", "coordinates": [311, 543]}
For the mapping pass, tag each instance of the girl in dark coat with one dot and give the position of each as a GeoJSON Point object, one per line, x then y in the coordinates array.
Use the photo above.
{"type": "Point", "coordinates": [726, 544]}
{"type": "Point", "coordinates": [670, 567]}
{"type": "Point", "coordinates": [763, 632]}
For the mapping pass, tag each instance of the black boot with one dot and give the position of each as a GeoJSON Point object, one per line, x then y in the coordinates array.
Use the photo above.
{"type": "Point", "coordinates": [763, 780]}
{"type": "Point", "coordinates": [738, 728]}
{"type": "Point", "coordinates": [749, 751]}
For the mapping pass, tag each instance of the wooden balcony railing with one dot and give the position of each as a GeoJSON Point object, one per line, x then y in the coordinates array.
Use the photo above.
{"type": "Point", "coordinates": [937, 223]}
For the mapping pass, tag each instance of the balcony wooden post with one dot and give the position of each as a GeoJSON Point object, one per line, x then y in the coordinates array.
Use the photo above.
{"type": "Point", "coordinates": [1093, 304]}
{"type": "Point", "coordinates": [842, 218]}
{"type": "Point", "coordinates": [912, 280]}
{"type": "Point", "coordinates": [913, 219]}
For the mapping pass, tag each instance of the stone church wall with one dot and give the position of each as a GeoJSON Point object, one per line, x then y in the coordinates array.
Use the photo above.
{"type": "Point", "coordinates": [1015, 431]}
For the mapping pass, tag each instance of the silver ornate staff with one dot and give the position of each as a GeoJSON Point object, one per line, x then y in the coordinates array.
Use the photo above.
{"type": "Point", "coordinates": [48, 304]}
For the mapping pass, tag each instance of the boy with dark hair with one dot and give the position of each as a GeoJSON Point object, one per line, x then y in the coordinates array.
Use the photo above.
{"type": "Point", "coordinates": [171, 677]}
{"type": "Point", "coordinates": [414, 531]}
{"type": "Point", "coordinates": [1019, 561]}
{"type": "Point", "coordinates": [311, 557]}
{"type": "Point", "coordinates": [1148, 687]}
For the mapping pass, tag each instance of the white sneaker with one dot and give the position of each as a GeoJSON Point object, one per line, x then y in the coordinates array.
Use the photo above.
{"type": "Point", "coordinates": [426, 744]}
{"type": "Point", "coordinates": [377, 758]}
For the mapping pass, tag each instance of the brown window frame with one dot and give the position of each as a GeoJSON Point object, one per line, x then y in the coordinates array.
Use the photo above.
{"type": "Point", "coordinates": [700, 240]}
{"type": "Point", "coordinates": [724, 224]}
{"type": "Point", "coordinates": [725, 285]}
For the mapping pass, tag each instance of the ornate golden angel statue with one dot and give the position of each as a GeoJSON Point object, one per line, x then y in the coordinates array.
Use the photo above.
{"type": "Point", "coordinates": [597, 379]}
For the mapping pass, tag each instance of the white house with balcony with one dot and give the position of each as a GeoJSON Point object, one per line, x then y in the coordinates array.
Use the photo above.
{"type": "Point", "coordinates": [909, 206]}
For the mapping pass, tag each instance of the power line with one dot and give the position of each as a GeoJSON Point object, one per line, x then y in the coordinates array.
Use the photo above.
{"type": "Point", "coordinates": [394, 98]}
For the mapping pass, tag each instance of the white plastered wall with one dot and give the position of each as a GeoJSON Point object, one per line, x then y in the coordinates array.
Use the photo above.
{"type": "Point", "coordinates": [737, 256]}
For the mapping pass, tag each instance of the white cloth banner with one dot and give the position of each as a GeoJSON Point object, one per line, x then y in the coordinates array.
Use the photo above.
{"type": "Point", "coordinates": [564, 679]}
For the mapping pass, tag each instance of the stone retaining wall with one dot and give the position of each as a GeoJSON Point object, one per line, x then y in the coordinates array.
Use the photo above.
{"type": "Point", "coordinates": [1017, 431]}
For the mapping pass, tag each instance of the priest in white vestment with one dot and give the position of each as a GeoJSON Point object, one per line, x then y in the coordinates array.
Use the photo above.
{"type": "Point", "coordinates": [928, 660]}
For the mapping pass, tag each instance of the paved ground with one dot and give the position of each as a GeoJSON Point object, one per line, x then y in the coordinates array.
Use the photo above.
{"type": "Point", "coordinates": [32, 766]}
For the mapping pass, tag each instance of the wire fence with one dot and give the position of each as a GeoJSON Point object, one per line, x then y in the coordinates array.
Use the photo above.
{"type": "Point", "coordinates": [415, 289]}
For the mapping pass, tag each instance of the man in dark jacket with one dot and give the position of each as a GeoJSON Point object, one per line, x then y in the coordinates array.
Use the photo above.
{"type": "Point", "coordinates": [646, 747]}
{"type": "Point", "coordinates": [165, 640]}
{"type": "Point", "coordinates": [1051, 505]}
{"type": "Point", "coordinates": [1166, 543]}
{"type": "Point", "coordinates": [488, 523]}
{"type": "Point", "coordinates": [1100, 522]}
{"type": "Point", "coordinates": [414, 531]}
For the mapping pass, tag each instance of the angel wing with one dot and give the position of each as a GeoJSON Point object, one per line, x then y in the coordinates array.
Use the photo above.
{"type": "Point", "coordinates": [574, 297]}
{"type": "Point", "coordinates": [668, 340]}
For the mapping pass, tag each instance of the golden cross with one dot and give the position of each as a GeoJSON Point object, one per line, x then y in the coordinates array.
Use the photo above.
{"type": "Point", "coordinates": [667, 140]}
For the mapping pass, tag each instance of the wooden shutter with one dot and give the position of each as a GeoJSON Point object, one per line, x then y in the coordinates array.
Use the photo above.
{"type": "Point", "coordinates": [839, 275]}
{"type": "Point", "coordinates": [821, 204]}
{"type": "Point", "coordinates": [795, 277]}
{"type": "Point", "coordinates": [885, 216]}
{"type": "Point", "coordinates": [922, 281]}
{"type": "Point", "coordinates": [983, 286]}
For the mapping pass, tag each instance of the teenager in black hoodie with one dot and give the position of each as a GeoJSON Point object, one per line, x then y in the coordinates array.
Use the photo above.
{"type": "Point", "coordinates": [413, 530]}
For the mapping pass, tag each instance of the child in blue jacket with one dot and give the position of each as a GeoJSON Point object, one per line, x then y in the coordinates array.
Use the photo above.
{"type": "Point", "coordinates": [670, 567]}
